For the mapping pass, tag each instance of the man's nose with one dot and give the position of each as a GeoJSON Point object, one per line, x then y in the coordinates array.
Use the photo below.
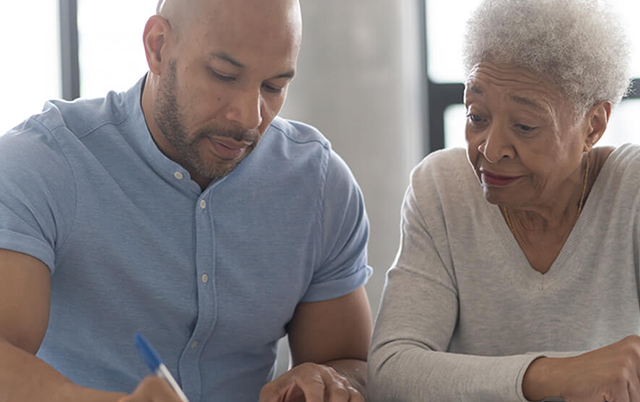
{"type": "Point", "coordinates": [246, 109]}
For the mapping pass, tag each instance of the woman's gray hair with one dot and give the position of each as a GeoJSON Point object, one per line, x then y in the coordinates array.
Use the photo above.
{"type": "Point", "coordinates": [159, 6]}
{"type": "Point", "coordinates": [579, 46]}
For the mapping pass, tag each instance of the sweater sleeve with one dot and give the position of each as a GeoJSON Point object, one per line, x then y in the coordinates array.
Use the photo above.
{"type": "Point", "coordinates": [409, 359]}
{"type": "Point", "coordinates": [454, 318]}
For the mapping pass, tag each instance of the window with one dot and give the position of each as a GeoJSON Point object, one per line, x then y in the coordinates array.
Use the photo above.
{"type": "Point", "coordinates": [42, 64]}
{"type": "Point", "coordinates": [30, 75]}
{"type": "Point", "coordinates": [445, 23]}
{"type": "Point", "coordinates": [111, 52]}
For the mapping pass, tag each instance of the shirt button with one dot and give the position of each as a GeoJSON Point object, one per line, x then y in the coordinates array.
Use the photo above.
{"type": "Point", "coordinates": [205, 278]}
{"type": "Point", "coordinates": [203, 204]}
{"type": "Point", "coordinates": [194, 344]}
{"type": "Point", "coordinates": [179, 176]}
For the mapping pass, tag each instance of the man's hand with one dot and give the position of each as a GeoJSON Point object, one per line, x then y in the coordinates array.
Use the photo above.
{"type": "Point", "coordinates": [312, 383]}
{"type": "Point", "coordinates": [609, 374]}
{"type": "Point", "coordinates": [152, 389]}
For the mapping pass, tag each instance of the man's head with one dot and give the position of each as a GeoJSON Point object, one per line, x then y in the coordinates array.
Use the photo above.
{"type": "Point", "coordinates": [219, 72]}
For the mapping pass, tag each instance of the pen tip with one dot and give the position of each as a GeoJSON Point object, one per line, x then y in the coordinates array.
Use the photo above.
{"type": "Point", "coordinates": [147, 352]}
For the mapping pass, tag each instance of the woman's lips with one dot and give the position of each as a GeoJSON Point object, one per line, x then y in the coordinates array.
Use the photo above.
{"type": "Point", "coordinates": [494, 179]}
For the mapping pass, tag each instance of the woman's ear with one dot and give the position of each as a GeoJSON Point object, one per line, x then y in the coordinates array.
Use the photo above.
{"type": "Point", "coordinates": [156, 37]}
{"type": "Point", "coordinates": [597, 119]}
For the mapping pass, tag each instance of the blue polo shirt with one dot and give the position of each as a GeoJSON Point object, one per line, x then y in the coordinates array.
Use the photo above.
{"type": "Point", "coordinates": [210, 277]}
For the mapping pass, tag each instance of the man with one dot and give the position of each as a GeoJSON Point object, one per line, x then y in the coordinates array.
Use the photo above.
{"type": "Point", "coordinates": [185, 210]}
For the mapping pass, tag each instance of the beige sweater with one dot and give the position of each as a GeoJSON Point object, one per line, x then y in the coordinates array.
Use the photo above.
{"type": "Point", "coordinates": [463, 313]}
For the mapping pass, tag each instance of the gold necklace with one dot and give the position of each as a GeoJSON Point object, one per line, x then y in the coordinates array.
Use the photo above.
{"type": "Point", "coordinates": [584, 191]}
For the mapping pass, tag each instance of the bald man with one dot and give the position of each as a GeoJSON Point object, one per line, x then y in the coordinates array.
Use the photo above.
{"type": "Point", "coordinates": [186, 210]}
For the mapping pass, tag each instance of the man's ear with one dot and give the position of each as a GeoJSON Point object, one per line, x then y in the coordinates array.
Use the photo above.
{"type": "Point", "coordinates": [157, 38]}
{"type": "Point", "coordinates": [597, 120]}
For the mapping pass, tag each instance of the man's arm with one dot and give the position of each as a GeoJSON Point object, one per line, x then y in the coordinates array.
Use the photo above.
{"type": "Point", "coordinates": [25, 290]}
{"type": "Point", "coordinates": [329, 342]}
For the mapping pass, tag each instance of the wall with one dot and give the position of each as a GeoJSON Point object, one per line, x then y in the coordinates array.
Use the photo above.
{"type": "Point", "coordinates": [358, 81]}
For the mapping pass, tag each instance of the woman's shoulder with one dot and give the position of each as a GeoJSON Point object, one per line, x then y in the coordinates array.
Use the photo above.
{"type": "Point", "coordinates": [443, 182]}
{"type": "Point", "coordinates": [443, 168]}
{"type": "Point", "coordinates": [622, 156]}
{"type": "Point", "coordinates": [618, 178]}
{"type": "Point", "coordinates": [621, 163]}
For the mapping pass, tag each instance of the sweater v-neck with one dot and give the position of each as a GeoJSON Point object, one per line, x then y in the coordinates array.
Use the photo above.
{"type": "Point", "coordinates": [515, 254]}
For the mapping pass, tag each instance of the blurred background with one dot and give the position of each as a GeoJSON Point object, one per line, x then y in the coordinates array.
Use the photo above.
{"type": "Point", "coordinates": [382, 79]}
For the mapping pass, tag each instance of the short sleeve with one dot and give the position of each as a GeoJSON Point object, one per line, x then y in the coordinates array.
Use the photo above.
{"type": "Point", "coordinates": [37, 192]}
{"type": "Point", "coordinates": [342, 266]}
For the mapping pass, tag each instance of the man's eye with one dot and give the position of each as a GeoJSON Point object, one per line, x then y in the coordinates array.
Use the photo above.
{"type": "Point", "coordinates": [222, 77]}
{"type": "Point", "coordinates": [272, 89]}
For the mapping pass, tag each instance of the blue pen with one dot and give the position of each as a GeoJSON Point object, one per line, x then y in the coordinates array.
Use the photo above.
{"type": "Point", "coordinates": [155, 364]}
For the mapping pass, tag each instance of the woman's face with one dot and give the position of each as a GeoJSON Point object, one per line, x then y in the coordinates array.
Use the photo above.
{"type": "Point", "coordinates": [523, 139]}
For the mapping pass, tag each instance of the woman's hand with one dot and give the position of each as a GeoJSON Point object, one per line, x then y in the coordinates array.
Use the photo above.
{"type": "Point", "coordinates": [608, 374]}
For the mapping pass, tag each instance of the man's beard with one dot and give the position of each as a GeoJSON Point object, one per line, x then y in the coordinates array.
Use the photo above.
{"type": "Point", "coordinates": [170, 120]}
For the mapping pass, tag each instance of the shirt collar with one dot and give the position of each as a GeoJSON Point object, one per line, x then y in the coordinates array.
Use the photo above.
{"type": "Point", "coordinates": [140, 134]}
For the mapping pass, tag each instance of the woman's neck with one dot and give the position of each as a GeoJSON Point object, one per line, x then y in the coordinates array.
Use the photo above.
{"type": "Point", "coordinates": [569, 199]}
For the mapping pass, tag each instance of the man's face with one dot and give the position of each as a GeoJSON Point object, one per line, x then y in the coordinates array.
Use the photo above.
{"type": "Point", "coordinates": [225, 82]}
{"type": "Point", "coordinates": [212, 151]}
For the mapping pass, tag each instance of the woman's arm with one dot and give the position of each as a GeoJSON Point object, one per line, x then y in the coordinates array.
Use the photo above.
{"type": "Point", "coordinates": [408, 360]}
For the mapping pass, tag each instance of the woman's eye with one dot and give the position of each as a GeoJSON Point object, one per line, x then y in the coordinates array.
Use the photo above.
{"type": "Point", "coordinates": [474, 118]}
{"type": "Point", "coordinates": [524, 127]}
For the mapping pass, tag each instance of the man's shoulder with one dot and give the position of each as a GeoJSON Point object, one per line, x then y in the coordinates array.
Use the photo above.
{"type": "Point", "coordinates": [294, 154]}
{"type": "Point", "coordinates": [31, 153]}
{"type": "Point", "coordinates": [83, 116]}
{"type": "Point", "coordinates": [298, 133]}
{"type": "Point", "coordinates": [291, 148]}
{"type": "Point", "coordinates": [310, 144]}
{"type": "Point", "coordinates": [59, 131]}
{"type": "Point", "coordinates": [33, 140]}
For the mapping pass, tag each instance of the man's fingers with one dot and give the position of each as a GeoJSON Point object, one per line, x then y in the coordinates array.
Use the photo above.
{"type": "Point", "coordinates": [152, 389]}
{"type": "Point", "coordinates": [283, 389]}
{"type": "Point", "coordinates": [338, 388]}
{"type": "Point", "coordinates": [634, 389]}
{"type": "Point", "coordinates": [312, 387]}
{"type": "Point", "coordinates": [337, 392]}
{"type": "Point", "coordinates": [311, 383]}
{"type": "Point", "coordinates": [354, 395]}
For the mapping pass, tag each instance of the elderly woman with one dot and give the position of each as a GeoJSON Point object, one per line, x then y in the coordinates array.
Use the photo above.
{"type": "Point", "coordinates": [518, 273]}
